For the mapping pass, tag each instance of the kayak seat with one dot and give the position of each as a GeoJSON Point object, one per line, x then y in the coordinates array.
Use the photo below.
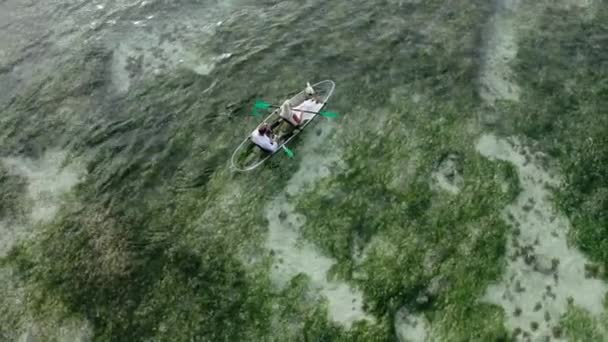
{"type": "Point", "coordinates": [291, 123]}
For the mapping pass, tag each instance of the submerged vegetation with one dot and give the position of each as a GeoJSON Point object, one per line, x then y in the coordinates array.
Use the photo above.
{"type": "Point", "coordinates": [412, 243]}
{"type": "Point", "coordinates": [161, 242]}
{"type": "Point", "coordinates": [562, 70]}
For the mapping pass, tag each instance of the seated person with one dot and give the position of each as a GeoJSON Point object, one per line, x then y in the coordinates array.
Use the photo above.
{"type": "Point", "coordinates": [311, 94]}
{"type": "Point", "coordinates": [263, 137]}
{"type": "Point", "coordinates": [290, 115]}
{"type": "Point", "coordinates": [300, 114]}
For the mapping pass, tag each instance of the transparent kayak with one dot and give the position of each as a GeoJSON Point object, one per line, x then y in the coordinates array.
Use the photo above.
{"type": "Point", "coordinates": [249, 156]}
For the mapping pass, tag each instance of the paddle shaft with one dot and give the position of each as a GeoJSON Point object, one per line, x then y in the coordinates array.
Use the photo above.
{"type": "Point", "coordinates": [299, 110]}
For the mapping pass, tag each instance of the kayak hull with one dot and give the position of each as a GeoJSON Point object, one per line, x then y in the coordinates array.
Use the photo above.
{"type": "Point", "coordinates": [249, 156]}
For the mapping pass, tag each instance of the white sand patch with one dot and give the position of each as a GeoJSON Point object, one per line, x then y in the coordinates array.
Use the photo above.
{"type": "Point", "coordinates": [444, 184]}
{"type": "Point", "coordinates": [47, 181]}
{"type": "Point", "coordinates": [543, 272]}
{"type": "Point", "coordinates": [67, 331]}
{"type": "Point", "coordinates": [10, 233]}
{"type": "Point", "coordinates": [447, 176]}
{"type": "Point", "coordinates": [76, 330]}
{"type": "Point", "coordinates": [410, 328]}
{"type": "Point", "coordinates": [294, 256]}
{"type": "Point", "coordinates": [146, 53]}
{"type": "Point", "coordinates": [585, 8]}
{"type": "Point", "coordinates": [500, 48]}
{"type": "Point", "coordinates": [120, 76]}
{"type": "Point", "coordinates": [572, 4]}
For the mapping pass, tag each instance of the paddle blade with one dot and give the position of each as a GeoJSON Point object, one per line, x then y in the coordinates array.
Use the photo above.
{"type": "Point", "coordinates": [329, 114]}
{"type": "Point", "coordinates": [259, 104]}
{"type": "Point", "coordinates": [288, 152]}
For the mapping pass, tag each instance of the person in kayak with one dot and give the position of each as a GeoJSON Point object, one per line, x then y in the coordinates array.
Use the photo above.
{"type": "Point", "coordinates": [295, 117]}
{"type": "Point", "coordinates": [264, 138]}
{"type": "Point", "coordinates": [311, 94]}
{"type": "Point", "coordinates": [290, 115]}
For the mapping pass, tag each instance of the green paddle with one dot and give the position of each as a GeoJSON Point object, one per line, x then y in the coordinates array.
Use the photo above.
{"type": "Point", "coordinates": [288, 152]}
{"type": "Point", "coordinates": [262, 105]}
{"type": "Point", "coordinates": [259, 105]}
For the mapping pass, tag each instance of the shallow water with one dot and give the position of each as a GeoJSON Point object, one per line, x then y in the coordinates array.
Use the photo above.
{"type": "Point", "coordinates": [121, 220]}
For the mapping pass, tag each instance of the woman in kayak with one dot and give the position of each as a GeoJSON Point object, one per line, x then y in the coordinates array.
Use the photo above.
{"type": "Point", "coordinates": [264, 138]}
{"type": "Point", "coordinates": [295, 117]}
